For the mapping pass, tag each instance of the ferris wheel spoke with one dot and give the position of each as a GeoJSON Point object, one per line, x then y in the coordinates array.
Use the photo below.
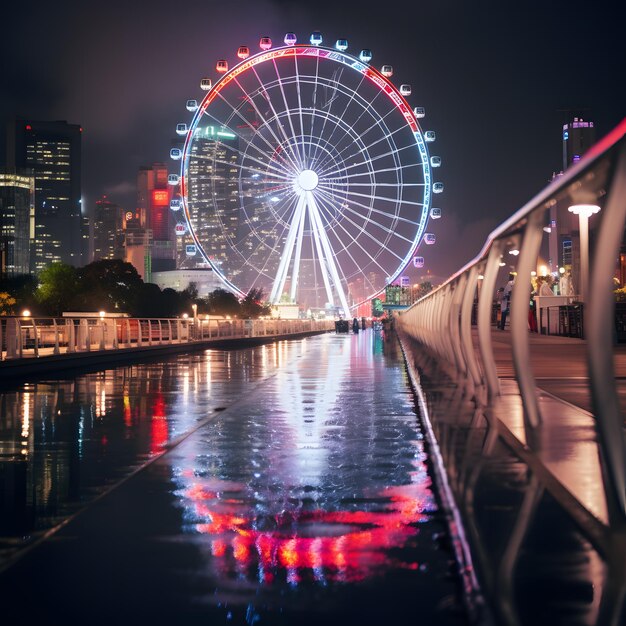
{"type": "Point", "coordinates": [369, 207]}
{"type": "Point", "coordinates": [275, 167]}
{"type": "Point", "coordinates": [304, 159]}
{"type": "Point", "coordinates": [288, 110]}
{"type": "Point", "coordinates": [313, 116]}
{"type": "Point", "coordinates": [384, 135]}
{"type": "Point", "coordinates": [343, 114]}
{"type": "Point", "coordinates": [263, 243]}
{"type": "Point", "coordinates": [368, 253]}
{"type": "Point", "coordinates": [375, 197]}
{"type": "Point", "coordinates": [325, 117]}
{"type": "Point", "coordinates": [250, 127]}
{"type": "Point", "coordinates": [391, 153]}
{"type": "Point", "coordinates": [251, 99]}
{"type": "Point", "coordinates": [254, 170]}
{"type": "Point", "coordinates": [367, 107]}
{"type": "Point", "coordinates": [262, 89]}
{"type": "Point", "coordinates": [366, 232]}
{"type": "Point", "coordinates": [372, 172]}
{"type": "Point", "coordinates": [328, 208]}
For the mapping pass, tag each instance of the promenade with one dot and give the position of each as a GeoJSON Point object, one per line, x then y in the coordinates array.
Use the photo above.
{"type": "Point", "coordinates": [282, 484]}
{"type": "Point", "coordinates": [301, 482]}
{"type": "Point", "coordinates": [547, 547]}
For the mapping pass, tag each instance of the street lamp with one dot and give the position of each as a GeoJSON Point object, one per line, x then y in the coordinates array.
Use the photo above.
{"type": "Point", "coordinates": [25, 313]}
{"type": "Point", "coordinates": [584, 212]}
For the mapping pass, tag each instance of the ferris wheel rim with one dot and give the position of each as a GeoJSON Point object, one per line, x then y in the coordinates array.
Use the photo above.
{"type": "Point", "coordinates": [367, 71]}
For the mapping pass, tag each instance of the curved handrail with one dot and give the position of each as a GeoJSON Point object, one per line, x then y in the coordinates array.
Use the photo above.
{"type": "Point", "coordinates": [436, 318]}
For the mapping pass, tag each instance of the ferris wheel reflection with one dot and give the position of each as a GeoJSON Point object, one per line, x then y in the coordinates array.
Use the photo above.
{"type": "Point", "coordinates": [292, 499]}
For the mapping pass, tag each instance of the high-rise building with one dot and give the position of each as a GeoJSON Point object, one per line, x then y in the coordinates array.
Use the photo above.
{"type": "Point", "coordinates": [17, 221]}
{"type": "Point", "coordinates": [578, 136]}
{"type": "Point", "coordinates": [108, 237]}
{"type": "Point", "coordinates": [53, 151]}
{"type": "Point", "coordinates": [153, 201]}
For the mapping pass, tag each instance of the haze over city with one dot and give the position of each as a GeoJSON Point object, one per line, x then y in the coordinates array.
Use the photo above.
{"type": "Point", "coordinates": [497, 82]}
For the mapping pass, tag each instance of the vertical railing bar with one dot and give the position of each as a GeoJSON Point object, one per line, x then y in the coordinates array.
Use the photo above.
{"type": "Point", "coordinates": [527, 260]}
{"type": "Point", "coordinates": [466, 323]}
{"type": "Point", "coordinates": [490, 274]}
{"type": "Point", "coordinates": [600, 323]}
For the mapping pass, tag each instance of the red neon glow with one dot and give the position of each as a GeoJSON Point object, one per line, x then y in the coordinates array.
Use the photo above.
{"type": "Point", "coordinates": [29, 127]}
{"type": "Point", "coordinates": [160, 197]}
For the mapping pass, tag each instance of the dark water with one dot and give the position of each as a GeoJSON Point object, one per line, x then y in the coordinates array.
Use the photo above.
{"type": "Point", "coordinates": [301, 494]}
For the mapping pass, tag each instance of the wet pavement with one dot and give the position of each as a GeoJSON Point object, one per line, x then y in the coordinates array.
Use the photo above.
{"type": "Point", "coordinates": [533, 502]}
{"type": "Point", "coordinates": [283, 484]}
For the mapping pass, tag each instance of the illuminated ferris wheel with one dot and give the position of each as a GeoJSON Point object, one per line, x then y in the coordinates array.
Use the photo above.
{"type": "Point", "coordinates": [305, 172]}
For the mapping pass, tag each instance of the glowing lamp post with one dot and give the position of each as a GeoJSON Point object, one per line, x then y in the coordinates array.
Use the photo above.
{"type": "Point", "coordinates": [584, 212]}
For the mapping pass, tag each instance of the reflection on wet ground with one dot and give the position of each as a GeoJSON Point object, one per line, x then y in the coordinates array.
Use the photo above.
{"type": "Point", "coordinates": [302, 495]}
{"type": "Point", "coordinates": [537, 563]}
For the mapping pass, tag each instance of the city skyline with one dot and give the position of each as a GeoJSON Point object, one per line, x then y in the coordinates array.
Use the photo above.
{"type": "Point", "coordinates": [497, 84]}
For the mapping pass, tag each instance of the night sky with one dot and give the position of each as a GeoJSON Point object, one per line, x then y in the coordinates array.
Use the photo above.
{"type": "Point", "coordinates": [496, 79]}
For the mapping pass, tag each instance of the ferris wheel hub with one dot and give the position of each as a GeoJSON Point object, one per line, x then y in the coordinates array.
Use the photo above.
{"type": "Point", "coordinates": [307, 180]}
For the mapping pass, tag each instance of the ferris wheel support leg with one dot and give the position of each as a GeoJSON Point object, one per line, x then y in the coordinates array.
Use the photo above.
{"type": "Point", "coordinates": [328, 253]}
{"type": "Point", "coordinates": [281, 275]}
{"type": "Point", "coordinates": [321, 257]}
{"type": "Point", "coordinates": [296, 262]}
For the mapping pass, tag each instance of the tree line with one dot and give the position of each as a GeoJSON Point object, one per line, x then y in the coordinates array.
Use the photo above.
{"type": "Point", "coordinates": [115, 286]}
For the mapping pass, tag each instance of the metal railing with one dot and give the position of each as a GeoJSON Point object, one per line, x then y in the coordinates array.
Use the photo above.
{"type": "Point", "coordinates": [442, 321]}
{"type": "Point", "coordinates": [27, 337]}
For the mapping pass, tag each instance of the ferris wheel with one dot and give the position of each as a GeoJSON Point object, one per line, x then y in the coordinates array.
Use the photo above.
{"type": "Point", "coordinates": [304, 172]}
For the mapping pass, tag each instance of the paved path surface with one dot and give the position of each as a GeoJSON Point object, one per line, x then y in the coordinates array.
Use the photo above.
{"type": "Point", "coordinates": [306, 499]}
{"type": "Point", "coordinates": [559, 365]}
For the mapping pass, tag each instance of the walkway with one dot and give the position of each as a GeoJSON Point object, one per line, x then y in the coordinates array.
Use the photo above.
{"type": "Point", "coordinates": [300, 497]}
{"type": "Point", "coordinates": [535, 509]}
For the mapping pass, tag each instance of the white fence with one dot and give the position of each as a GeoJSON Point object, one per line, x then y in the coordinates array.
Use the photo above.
{"type": "Point", "coordinates": [23, 337]}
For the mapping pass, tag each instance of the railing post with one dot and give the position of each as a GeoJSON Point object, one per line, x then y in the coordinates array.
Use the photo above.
{"type": "Point", "coordinates": [102, 335]}
{"type": "Point", "coordinates": [169, 331]}
{"type": "Point", "coordinates": [36, 337]}
{"type": "Point", "coordinates": [56, 337]}
{"type": "Point", "coordinates": [467, 345]}
{"type": "Point", "coordinates": [599, 331]}
{"type": "Point", "coordinates": [484, 317]}
{"type": "Point", "coordinates": [160, 333]}
{"type": "Point", "coordinates": [519, 316]}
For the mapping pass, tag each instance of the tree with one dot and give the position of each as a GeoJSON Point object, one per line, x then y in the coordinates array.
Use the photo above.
{"type": "Point", "coordinates": [58, 288]}
{"type": "Point", "coordinates": [252, 304]}
{"type": "Point", "coordinates": [222, 302]}
{"type": "Point", "coordinates": [7, 302]}
{"type": "Point", "coordinates": [110, 285]}
{"type": "Point", "coordinates": [424, 288]}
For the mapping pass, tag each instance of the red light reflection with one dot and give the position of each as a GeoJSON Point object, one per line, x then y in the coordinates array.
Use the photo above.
{"type": "Point", "coordinates": [158, 426]}
{"type": "Point", "coordinates": [347, 546]}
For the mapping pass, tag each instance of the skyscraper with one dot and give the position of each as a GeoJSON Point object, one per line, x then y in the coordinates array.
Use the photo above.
{"type": "Point", "coordinates": [108, 238]}
{"type": "Point", "coordinates": [153, 201]}
{"type": "Point", "coordinates": [53, 151]}
{"type": "Point", "coordinates": [17, 221]}
{"type": "Point", "coordinates": [578, 136]}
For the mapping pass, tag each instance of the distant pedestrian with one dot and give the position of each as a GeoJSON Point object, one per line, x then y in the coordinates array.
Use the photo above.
{"type": "Point", "coordinates": [355, 325]}
{"type": "Point", "coordinates": [505, 302]}
{"type": "Point", "coordinates": [532, 315]}
{"type": "Point", "coordinates": [545, 289]}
